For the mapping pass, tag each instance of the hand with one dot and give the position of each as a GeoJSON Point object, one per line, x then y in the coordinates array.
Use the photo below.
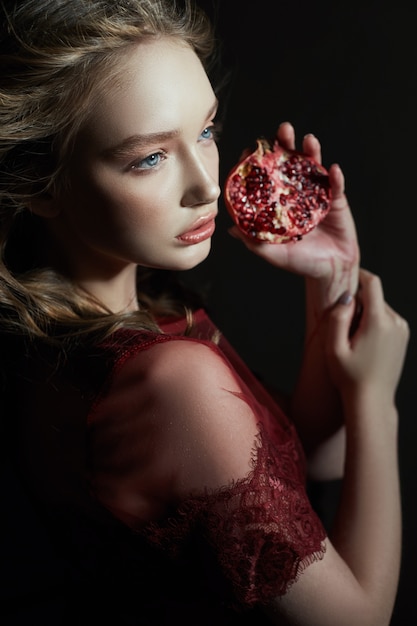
{"type": "Point", "coordinates": [371, 359]}
{"type": "Point", "coordinates": [329, 253]}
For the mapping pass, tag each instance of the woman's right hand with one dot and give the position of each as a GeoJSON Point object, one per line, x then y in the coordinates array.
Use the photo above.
{"type": "Point", "coordinates": [359, 572]}
{"type": "Point", "coordinates": [369, 358]}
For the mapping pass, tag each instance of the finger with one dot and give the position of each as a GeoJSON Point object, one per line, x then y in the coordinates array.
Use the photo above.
{"type": "Point", "coordinates": [312, 147]}
{"type": "Point", "coordinates": [371, 294]}
{"type": "Point", "coordinates": [337, 183]}
{"type": "Point", "coordinates": [339, 324]}
{"type": "Point", "coordinates": [286, 136]}
{"type": "Point", "coordinates": [276, 254]}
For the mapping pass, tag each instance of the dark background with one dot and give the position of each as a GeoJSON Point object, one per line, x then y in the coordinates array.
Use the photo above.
{"type": "Point", "coordinates": [346, 72]}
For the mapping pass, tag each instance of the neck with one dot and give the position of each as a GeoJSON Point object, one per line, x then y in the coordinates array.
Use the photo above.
{"type": "Point", "coordinates": [117, 293]}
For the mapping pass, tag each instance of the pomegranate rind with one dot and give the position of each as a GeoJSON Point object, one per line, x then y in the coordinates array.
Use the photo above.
{"type": "Point", "coordinates": [277, 195]}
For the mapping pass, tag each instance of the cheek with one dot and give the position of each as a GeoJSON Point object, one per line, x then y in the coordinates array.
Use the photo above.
{"type": "Point", "coordinates": [146, 203]}
{"type": "Point", "coordinates": [112, 209]}
{"type": "Point", "coordinates": [138, 213]}
{"type": "Point", "coordinates": [117, 205]}
{"type": "Point", "coordinates": [212, 162]}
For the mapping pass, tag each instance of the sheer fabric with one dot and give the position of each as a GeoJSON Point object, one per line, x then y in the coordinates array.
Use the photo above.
{"type": "Point", "coordinates": [170, 484]}
{"type": "Point", "coordinates": [235, 482]}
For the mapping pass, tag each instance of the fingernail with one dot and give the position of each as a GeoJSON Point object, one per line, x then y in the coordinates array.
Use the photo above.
{"type": "Point", "coordinates": [346, 298]}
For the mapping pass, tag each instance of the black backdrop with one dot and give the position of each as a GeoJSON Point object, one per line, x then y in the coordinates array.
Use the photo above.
{"type": "Point", "coordinates": [345, 71]}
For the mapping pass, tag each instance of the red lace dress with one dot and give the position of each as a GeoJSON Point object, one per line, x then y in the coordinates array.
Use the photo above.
{"type": "Point", "coordinates": [172, 486]}
{"type": "Point", "coordinates": [242, 493]}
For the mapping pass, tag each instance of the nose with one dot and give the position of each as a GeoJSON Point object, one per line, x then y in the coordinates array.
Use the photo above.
{"type": "Point", "coordinates": [201, 185]}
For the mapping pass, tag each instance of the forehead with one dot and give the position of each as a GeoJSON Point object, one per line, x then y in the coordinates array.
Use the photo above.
{"type": "Point", "coordinates": [161, 86]}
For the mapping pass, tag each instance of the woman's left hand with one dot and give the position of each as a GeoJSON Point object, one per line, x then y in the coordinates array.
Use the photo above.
{"type": "Point", "coordinates": [329, 254]}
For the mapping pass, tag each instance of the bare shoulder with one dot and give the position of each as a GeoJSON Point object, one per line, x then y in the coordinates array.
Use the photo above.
{"type": "Point", "coordinates": [189, 384]}
{"type": "Point", "coordinates": [179, 402]}
{"type": "Point", "coordinates": [180, 362]}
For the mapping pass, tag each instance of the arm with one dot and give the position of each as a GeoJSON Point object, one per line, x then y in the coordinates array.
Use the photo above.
{"type": "Point", "coordinates": [316, 405]}
{"type": "Point", "coordinates": [359, 574]}
{"type": "Point", "coordinates": [196, 432]}
{"type": "Point", "coordinates": [328, 258]}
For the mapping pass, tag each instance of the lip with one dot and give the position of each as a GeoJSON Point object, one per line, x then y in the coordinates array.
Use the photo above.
{"type": "Point", "coordinates": [202, 229]}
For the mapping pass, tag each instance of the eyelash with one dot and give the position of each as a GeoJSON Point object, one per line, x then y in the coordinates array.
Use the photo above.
{"type": "Point", "coordinates": [214, 129]}
{"type": "Point", "coordinates": [137, 165]}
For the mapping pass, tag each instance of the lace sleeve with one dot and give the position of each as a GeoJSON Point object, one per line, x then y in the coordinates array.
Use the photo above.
{"type": "Point", "coordinates": [262, 528]}
{"type": "Point", "coordinates": [177, 420]}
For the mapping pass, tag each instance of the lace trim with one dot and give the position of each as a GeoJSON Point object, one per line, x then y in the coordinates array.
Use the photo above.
{"type": "Point", "coordinates": [262, 528]}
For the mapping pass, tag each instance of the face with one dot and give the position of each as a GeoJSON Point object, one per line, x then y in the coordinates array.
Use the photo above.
{"type": "Point", "coordinates": [144, 172]}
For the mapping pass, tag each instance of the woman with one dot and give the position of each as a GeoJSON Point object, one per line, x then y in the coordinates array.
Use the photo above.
{"type": "Point", "coordinates": [171, 484]}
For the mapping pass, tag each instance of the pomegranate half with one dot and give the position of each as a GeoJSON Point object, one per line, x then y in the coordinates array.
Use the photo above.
{"type": "Point", "coordinates": [277, 195]}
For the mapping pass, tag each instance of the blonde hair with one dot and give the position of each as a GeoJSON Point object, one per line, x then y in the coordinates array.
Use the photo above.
{"type": "Point", "coordinates": [55, 57]}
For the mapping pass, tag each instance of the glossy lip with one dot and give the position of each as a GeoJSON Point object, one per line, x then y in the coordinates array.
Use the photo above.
{"type": "Point", "coordinates": [202, 229]}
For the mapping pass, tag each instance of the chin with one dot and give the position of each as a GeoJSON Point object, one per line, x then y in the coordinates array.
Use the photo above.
{"type": "Point", "coordinates": [194, 256]}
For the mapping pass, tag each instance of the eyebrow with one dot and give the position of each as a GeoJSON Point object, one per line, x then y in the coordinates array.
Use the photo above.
{"type": "Point", "coordinates": [137, 142]}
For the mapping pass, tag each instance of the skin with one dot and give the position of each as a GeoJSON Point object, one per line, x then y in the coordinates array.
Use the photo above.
{"type": "Point", "coordinates": [361, 568]}
{"type": "Point", "coordinates": [329, 261]}
{"type": "Point", "coordinates": [129, 202]}
{"type": "Point", "coordinates": [129, 207]}
{"type": "Point", "coordinates": [345, 411]}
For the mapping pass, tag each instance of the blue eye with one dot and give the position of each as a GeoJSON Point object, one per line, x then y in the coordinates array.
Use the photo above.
{"type": "Point", "coordinates": [149, 162]}
{"type": "Point", "coordinates": [207, 133]}
{"type": "Point", "coordinates": [212, 132]}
